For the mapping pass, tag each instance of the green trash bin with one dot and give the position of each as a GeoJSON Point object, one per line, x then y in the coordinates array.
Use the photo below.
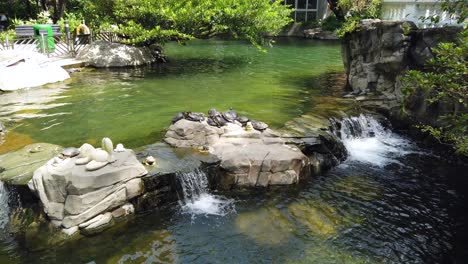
{"type": "Point", "coordinates": [45, 38]}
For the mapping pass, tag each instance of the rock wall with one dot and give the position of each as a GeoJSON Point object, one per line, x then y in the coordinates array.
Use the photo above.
{"type": "Point", "coordinates": [381, 51]}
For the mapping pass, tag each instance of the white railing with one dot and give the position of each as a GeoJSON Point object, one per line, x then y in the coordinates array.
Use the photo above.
{"type": "Point", "coordinates": [415, 10]}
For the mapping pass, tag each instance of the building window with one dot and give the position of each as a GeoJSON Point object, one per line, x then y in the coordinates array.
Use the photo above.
{"type": "Point", "coordinates": [306, 10]}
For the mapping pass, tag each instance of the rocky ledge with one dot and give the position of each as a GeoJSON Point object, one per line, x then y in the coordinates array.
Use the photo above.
{"type": "Point", "coordinates": [251, 154]}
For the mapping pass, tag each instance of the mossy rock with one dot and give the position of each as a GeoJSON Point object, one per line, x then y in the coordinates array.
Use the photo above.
{"type": "Point", "coordinates": [17, 167]}
{"type": "Point", "coordinates": [266, 226]}
{"type": "Point", "coordinates": [323, 220]}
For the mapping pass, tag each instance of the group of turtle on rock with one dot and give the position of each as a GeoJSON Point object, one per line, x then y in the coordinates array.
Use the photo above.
{"type": "Point", "coordinates": [219, 119]}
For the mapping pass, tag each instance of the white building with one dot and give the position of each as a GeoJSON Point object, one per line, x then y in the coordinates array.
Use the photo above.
{"type": "Point", "coordinates": [307, 10]}
{"type": "Point", "coordinates": [415, 10]}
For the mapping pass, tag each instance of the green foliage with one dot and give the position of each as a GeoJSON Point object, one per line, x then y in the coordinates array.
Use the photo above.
{"type": "Point", "coordinates": [74, 20]}
{"type": "Point", "coordinates": [356, 11]}
{"type": "Point", "coordinates": [311, 24]}
{"type": "Point", "coordinates": [445, 78]}
{"type": "Point", "coordinates": [331, 23]}
{"type": "Point", "coordinates": [146, 22]}
{"type": "Point", "coordinates": [11, 33]}
{"type": "Point", "coordinates": [458, 7]}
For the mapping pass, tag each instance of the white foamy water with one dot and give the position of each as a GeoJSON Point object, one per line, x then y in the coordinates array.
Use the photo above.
{"type": "Point", "coordinates": [4, 208]}
{"type": "Point", "coordinates": [368, 141]}
{"type": "Point", "coordinates": [197, 199]}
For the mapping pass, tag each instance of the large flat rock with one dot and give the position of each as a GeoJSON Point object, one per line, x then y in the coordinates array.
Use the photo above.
{"type": "Point", "coordinates": [17, 167]}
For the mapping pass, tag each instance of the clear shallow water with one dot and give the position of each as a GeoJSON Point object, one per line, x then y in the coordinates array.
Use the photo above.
{"type": "Point", "coordinates": [400, 204]}
{"type": "Point", "coordinates": [133, 106]}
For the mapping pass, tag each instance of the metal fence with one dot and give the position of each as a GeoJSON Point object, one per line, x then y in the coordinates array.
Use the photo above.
{"type": "Point", "coordinates": [63, 45]}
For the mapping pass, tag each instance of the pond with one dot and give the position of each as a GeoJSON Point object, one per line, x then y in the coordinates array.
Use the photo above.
{"type": "Point", "coordinates": [133, 106]}
{"type": "Point", "coordinates": [392, 201]}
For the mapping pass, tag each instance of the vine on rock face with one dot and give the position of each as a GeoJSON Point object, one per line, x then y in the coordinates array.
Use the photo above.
{"type": "Point", "coordinates": [445, 78]}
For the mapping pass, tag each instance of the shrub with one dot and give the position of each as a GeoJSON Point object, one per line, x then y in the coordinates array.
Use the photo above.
{"type": "Point", "coordinates": [445, 77]}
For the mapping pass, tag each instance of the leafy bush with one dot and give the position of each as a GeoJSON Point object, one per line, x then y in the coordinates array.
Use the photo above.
{"type": "Point", "coordinates": [11, 33]}
{"type": "Point", "coordinates": [356, 11]}
{"type": "Point", "coordinates": [331, 23]}
{"type": "Point", "coordinates": [445, 78]}
{"type": "Point", "coordinates": [74, 20]}
{"type": "Point", "coordinates": [157, 21]}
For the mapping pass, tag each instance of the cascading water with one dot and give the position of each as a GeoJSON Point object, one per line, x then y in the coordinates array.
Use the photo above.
{"type": "Point", "coordinates": [197, 199]}
{"type": "Point", "coordinates": [4, 208]}
{"type": "Point", "coordinates": [368, 141]}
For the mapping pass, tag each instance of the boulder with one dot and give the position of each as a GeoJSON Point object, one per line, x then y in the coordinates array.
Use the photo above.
{"type": "Point", "coordinates": [380, 52]}
{"type": "Point", "coordinates": [103, 54]}
{"type": "Point", "coordinates": [73, 195]}
{"type": "Point", "coordinates": [261, 164]}
{"type": "Point", "coordinates": [15, 65]}
{"type": "Point", "coordinates": [185, 133]}
{"type": "Point", "coordinates": [247, 157]}
{"type": "Point", "coordinates": [18, 166]}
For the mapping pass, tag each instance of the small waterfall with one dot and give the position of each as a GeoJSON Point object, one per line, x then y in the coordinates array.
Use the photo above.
{"type": "Point", "coordinates": [197, 199]}
{"type": "Point", "coordinates": [4, 208]}
{"type": "Point", "coordinates": [368, 141]}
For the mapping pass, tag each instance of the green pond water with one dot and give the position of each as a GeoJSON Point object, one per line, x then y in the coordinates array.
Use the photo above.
{"type": "Point", "coordinates": [134, 106]}
{"type": "Point", "coordinates": [390, 202]}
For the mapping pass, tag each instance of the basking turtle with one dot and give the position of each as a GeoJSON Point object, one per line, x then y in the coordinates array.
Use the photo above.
{"type": "Point", "coordinates": [69, 152]}
{"type": "Point", "coordinates": [259, 125]}
{"type": "Point", "coordinates": [220, 121]}
{"type": "Point", "coordinates": [212, 112]}
{"type": "Point", "coordinates": [178, 117]}
{"type": "Point", "coordinates": [243, 120]}
{"type": "Point", "coordinates": [211, 122]}
{"type": "Point", "coordinates": [196, 117]}
{"type": "Point", "coordinates": [230, 115]}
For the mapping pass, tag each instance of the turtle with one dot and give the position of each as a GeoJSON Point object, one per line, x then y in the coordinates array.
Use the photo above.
{"type": "Point", "coordinates": [212, 112]}
{"type": "Point", "coordinates": [230, 115]}
{"type": "Point", "coordinates": [196, 117]}
{"type": "Point", "coordinates": [242, 119]}
{"type": "Point", "coordinates": [259, 125]}
{"type": "Point", "coordinates": [70, 152]}
{"type": "Point", "coordinates": [212, 122]}
{"type": "Point", "coordinates": [178, 117]}
{"type": "Point", "coordinates": [220, 121]}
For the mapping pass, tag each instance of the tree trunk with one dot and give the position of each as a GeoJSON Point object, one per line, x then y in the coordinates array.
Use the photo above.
{"type": "Point", "coordinates": [44, 5]}
{"type": "Point", "coordinates": [335, 7]}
